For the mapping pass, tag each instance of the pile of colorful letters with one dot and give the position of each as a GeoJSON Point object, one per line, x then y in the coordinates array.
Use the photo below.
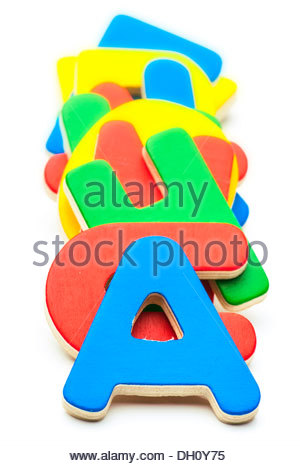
{"type": "Point", "coordinates": [146, 182]}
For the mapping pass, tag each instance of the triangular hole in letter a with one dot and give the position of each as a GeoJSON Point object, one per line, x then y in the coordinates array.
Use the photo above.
{"type": "Point", "coordinates": [155, 321]}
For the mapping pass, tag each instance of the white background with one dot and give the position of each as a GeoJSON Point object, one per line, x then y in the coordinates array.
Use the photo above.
{"type": "Point", "coordinates": [259, 43]}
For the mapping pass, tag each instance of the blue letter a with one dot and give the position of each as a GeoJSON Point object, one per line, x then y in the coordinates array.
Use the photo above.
{"type": "Point", "coordinates": [204, 362]}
